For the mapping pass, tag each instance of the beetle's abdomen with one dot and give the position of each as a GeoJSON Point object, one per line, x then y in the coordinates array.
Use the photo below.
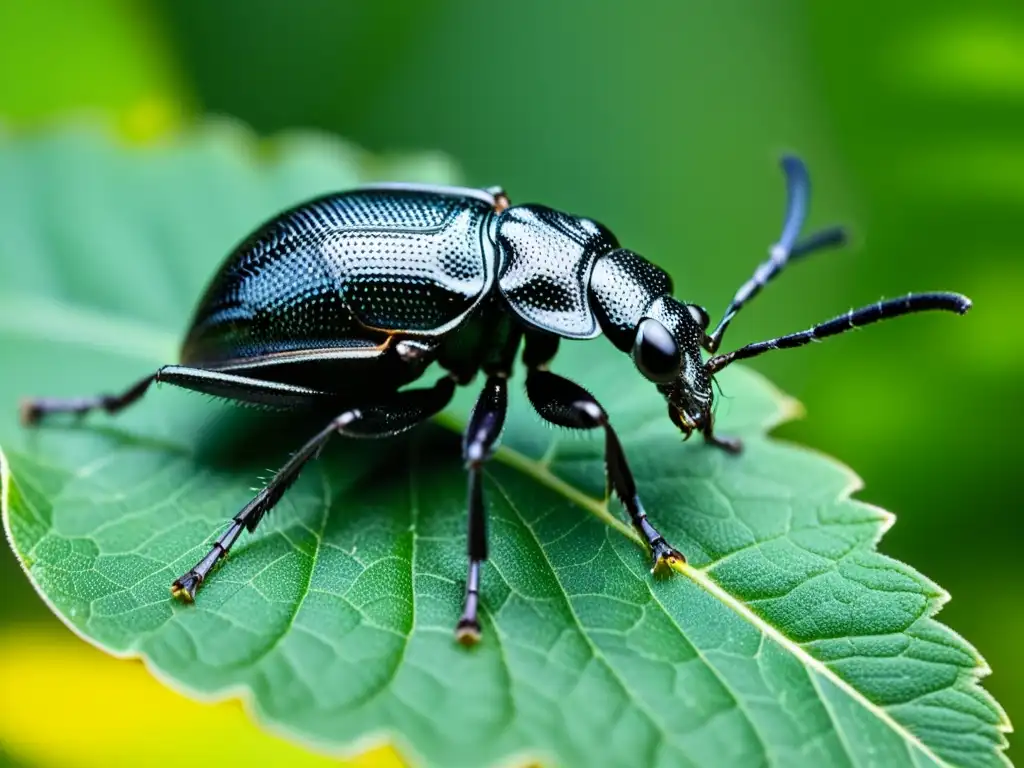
{"type": "Point", "coordinates": [347, 270]}
{"type": "Point", "coordinates": [546, 260]}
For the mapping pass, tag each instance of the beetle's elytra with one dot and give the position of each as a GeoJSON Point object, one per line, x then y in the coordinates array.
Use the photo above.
{"type": "Point", "coordinates": [341, 302]}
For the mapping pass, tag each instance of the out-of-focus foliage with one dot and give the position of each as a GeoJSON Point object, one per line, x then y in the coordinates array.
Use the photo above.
{"type": "Point", "coordinates": [106, 56]}
{"type": "Point", "coordinates": [664, 118]}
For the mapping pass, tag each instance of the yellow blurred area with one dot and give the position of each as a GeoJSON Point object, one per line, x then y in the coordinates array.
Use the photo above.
{"type": "Point", "coordinates": [103, 57]}
{"type": "Point", "coordinates": [149, 118]}
{"type": "Point", "coordinates": [972, 55]}
{"type": "Point", "coordinates": [64, 703]}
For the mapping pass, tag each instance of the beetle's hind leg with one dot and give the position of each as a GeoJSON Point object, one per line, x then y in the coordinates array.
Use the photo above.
{"type": "Point", "coordinates": [34, 410]}
{"type": "Point", "coordinates": [219, 384]}
{"type": "Point", "coordinates": [389, 416]}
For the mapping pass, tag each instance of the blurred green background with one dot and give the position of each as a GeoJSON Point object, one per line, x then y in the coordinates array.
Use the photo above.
{"type": "Point", "coordinates": [663, 119]}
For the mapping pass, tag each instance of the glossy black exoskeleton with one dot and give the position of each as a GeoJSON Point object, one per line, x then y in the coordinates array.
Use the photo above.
{"type": "Point", "coordinates": [341, 302]}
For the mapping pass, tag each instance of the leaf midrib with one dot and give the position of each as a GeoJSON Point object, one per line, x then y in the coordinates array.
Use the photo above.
{"type": "Point", "coordinates": [599, 654]}
{"type": "Point", "coordinates": [98, 336]}
{"type": "Point", "coordinates": [598, 508]}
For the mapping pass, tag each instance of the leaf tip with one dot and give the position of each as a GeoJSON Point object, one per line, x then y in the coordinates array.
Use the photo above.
{"type": "Point", "coordinates": [790, 409]}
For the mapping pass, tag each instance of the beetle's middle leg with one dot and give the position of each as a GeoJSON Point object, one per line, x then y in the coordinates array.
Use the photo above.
{"type": "Point", "coordinates": [567, 404]}
{"type": "Point", "coordinates": [478, 443]}
{"type": "Point", "coordinates": [389, 416]}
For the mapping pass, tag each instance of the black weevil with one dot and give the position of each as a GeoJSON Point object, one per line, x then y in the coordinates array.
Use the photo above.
{"type": "Point", "coordinates": [340, 302]}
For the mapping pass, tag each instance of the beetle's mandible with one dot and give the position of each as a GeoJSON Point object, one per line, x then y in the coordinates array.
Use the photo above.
{"type": "Point", "coordinates": [340, 303]}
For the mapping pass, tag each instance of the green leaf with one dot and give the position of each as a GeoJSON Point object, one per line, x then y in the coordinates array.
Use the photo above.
{"type": "Point", "coordinates": [787, 639]}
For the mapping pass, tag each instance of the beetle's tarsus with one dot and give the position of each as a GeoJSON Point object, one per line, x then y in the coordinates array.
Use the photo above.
{"type": "Point", "coordinates": [185, 588]}
{"type": "Point", "coordinates": [29, 412]}
{"type": "Point", "coordinates": [665, 558]}
{"type": "Point", "coordinates": [32, 410]}
{"type": "Point", "coordinates": [468, 632]}
{"type": "Point", "coordinates": [731, 445]}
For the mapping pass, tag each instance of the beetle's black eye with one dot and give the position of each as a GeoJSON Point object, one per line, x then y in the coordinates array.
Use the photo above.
{"type": "Point", "coordinates": [700, 315]}
{"type": "Point", "coordinates": [655, 352]}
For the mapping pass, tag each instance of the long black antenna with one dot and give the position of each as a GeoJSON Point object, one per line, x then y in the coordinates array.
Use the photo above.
{"type": "Point", "coordinates": [798, 193]}
{"type": "Point", "coordinates": [873, 313]}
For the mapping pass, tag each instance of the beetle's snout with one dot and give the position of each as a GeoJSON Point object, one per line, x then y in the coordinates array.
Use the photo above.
{"type": "Point", "coordinates": [688, 419]}
{"type": "Point", "coordinates": [693, 420]}
{"type": "Point", "coordinates": [690, 396]}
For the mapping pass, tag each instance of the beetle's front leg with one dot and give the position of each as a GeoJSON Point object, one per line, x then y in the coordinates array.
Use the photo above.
{"type": "Point", "coordinates": [567, 404]}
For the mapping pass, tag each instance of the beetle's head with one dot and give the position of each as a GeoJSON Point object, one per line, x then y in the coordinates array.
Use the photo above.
{"type": "Point", "coordinates": [667, 351]}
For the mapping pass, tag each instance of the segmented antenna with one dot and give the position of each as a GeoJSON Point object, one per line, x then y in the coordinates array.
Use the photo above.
{"type": "Point", "coordinates": [798, 194]}
{"type": "Point", "coordinates": [855, 318]}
